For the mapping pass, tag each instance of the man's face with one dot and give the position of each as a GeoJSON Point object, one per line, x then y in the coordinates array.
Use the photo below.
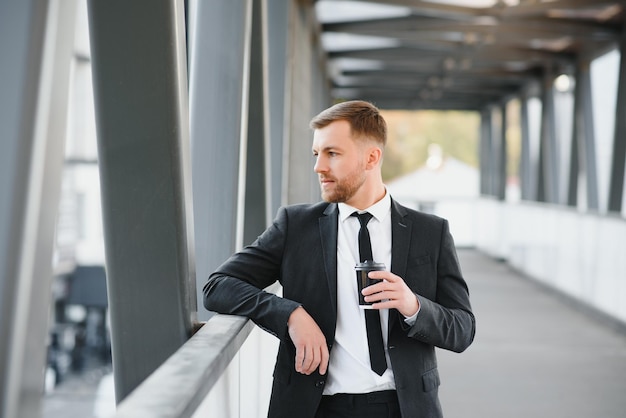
{"type": "Point", "coordinates": [340, 162]}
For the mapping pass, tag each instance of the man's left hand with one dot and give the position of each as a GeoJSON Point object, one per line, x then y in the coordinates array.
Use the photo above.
{"type": "Point", "coordinates": [391, 292]}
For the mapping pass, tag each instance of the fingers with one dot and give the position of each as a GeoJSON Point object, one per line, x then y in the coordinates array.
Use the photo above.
{"type": "Point", "coordinates": [310, 343]}
{"type": "Point", "coordinates": [386, 275]}
{"type": "Point", "coordinates": [300, 353]}
{"type": "Point", "coordinates": [382, 296]}
{"type": "Point", "coordinates": [388, 281]}
{"type": "Point", "coordinates": [325, 356]}
{"type": "Point", "coordinates": [309, 358]}
{"type": "Point", "coordinates": [391, 292]}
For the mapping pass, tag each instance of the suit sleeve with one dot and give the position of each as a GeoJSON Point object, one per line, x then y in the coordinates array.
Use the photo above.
{"type": "Point", "coordinates": [446, 322]}
{"type": "Point", "coordinates": [236, 287]}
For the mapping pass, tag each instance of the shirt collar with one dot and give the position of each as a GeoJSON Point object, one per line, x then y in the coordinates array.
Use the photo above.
{"type": "Point", "coordinates": [379, 209]}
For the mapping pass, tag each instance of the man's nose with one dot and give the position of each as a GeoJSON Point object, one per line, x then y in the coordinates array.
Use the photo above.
{"type": "Point", "coordinates": [320, 165]}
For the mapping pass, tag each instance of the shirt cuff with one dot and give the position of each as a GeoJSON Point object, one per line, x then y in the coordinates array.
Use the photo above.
{"type": "Point", "coordinates": [411, 319]}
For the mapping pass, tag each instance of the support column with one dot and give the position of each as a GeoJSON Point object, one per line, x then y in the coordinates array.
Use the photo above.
{"type": "Point", "coordinates": [618, 163]}
{"type": "Point", "coordinates": [300, 184]}
{"type": "Point", "coordinates": [525, 168]}
{"type": "Point", "coordinates": [486, 147]}
{"type": "Point", "coordinates": [548, 179]}
{"type": "Point", "coordinates": [258, 185]}
{"type": "Point", "coordinates": [583, 157]}
{"type": "Point", "coordinates": [140, 90]}
{"type": "Point", "coordinates": [36, 40]}
{"type": "Point", "coordinates": [574, 165]}
{"type": "Point", "coordinates": [501, 174]}
{"type": "Point", "coordinates": [220, 35]}
{"type": "Point", "coordinates": [277, 30]}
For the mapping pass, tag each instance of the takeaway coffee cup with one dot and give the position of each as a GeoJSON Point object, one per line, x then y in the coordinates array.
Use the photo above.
{"type": "Point", "coordinates": [362, 279]}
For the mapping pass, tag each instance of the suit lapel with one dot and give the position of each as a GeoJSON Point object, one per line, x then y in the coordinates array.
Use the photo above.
{"type": "Point", "coordinates": [400, 242]}
{"type": "Point", "coordinates": [400, 239]}
{"type": "Point", "coordinates": [328, 233]}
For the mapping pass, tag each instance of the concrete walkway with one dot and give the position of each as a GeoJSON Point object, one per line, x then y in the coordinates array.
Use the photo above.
{"type": "Point", "coordinates": [534, 355]}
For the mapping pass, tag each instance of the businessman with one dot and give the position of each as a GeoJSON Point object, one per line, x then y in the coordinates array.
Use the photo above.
{"type": "Point", "coordinates": [337, 359]}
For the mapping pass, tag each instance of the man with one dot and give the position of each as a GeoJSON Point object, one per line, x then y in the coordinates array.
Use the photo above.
{"type": "Point", "coordinates": [328, 365]}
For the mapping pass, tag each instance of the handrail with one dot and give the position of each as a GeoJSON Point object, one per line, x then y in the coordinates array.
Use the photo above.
{"type": "Point", "coordinates": [182, 382]}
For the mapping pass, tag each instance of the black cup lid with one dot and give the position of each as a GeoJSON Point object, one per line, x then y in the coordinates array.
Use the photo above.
{"type": "Point", "coordinates": [370, 265]}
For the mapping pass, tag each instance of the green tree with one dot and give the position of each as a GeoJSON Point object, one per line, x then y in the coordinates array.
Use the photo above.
{"type": "Point", "coordinates": [411, 132]}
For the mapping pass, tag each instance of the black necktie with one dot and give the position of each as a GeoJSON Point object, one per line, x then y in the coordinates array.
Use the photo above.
{"type": "Point", "coordinates": [372, 316]}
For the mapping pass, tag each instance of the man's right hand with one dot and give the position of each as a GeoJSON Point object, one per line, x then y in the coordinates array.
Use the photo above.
{"type": "Point", "coordinates": [311, 348]}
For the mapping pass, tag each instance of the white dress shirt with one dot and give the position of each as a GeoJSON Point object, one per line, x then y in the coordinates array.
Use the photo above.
{"type": "Point", "coordinates": [349, 370]}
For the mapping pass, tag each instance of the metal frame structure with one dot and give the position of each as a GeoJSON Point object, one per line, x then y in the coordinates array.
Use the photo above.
{"type": "Point", "coordinates": [142, 120]}
{"type": "Point", "coordinates": [35, 84]}
{"type": "Point", "coordinates": [452, 56]}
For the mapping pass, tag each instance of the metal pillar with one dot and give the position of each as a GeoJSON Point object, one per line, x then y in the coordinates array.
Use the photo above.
{"type": "Point", "coordinates": [525, 169]}
{"type": "Point", "coordinates": [36, 39]}
{"type": "Point", "coordinates": [618, 163]}
{"type": "Point", "coordinates": [501, 174]}
{"type": "Point", "coordinates": [548, 179]}
{"type": "Point", "coordinates": [258, 185]}
{"type": "Point", "coordinates": [140, 90]}
{"type": "Point", "coordinates": [574, 165]}
{"type": "Point", "coordinates": [486, 147]}
{"type": "Point", "coordinates": [277, 30]}
{"type": "Point", "coordinates": [220, 35]}
{"type": "Point", "coordinates": [300, 182]}
{"type": "Point", "coordinates": [320, 99]}
{"type": "Point", "coordinates": [583, 157]}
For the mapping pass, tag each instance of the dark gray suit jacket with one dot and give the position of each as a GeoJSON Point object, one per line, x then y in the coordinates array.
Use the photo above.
{"type": "Point", "coordinates": [300, 250]}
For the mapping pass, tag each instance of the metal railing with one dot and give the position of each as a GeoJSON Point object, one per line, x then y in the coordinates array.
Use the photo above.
{"type": "Point", "coordinates": [178, 387]}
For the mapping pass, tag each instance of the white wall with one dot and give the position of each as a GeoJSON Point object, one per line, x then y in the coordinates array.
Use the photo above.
{"type": "Point", "coordinates": [582, 255]}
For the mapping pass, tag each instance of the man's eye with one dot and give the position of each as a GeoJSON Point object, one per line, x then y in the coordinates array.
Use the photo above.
{"type": "Point", "coordinates": [332, 154]}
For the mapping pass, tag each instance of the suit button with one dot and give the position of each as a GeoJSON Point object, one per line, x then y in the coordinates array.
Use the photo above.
{"type": "Point", "coordinates": [319, 383]}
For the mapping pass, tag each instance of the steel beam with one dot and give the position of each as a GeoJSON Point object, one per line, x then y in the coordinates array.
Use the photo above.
{"type": "Point", "coordinates": [486, 147]}
{"type": "Point", "coordinates": [258, 183]}
{"type": "Point", "coordinates": [574, 156]}
{"type": "Point", "coordinates": [303, 101]}
{"type": "Point", "coordinates": [220, 36]}
{"type": "Point", "coordinates": [548, 179]}
{"type": "Point", "coordinates": [140, 90]}
{"type": "Point", "coordinates": [525, 169]}
{"type": "Point", "coordinates": [583, 157]}
{"type": "Point", "coordinates": [277, 30]}
{"type": "Point", "coordinates": [618, 162]}
{"type": "Point", "coordinates": [36, 40]}
{"type": "Point", "coordinates": [501, 174]}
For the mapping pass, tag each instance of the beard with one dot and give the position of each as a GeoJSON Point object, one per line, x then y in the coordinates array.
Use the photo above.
{"type": "Point", "coordinates": [345, 188]}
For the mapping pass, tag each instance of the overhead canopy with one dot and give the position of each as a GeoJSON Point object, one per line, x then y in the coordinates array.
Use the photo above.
{"type": "Point", "coordinates": [459, 54]}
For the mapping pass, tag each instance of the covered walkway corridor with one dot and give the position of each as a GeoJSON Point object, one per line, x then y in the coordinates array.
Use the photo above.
{"type": "Point", "coordinates": [192, 117]}
{"type": "Point", "coordinates": [536, 354]}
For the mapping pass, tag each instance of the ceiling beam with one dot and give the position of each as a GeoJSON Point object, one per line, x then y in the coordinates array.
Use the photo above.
{"type": "Point", "coordinates": [450, 56]}
{"type": "Point", "coordinates": [493, 54]}
{"type": "Point", "coordinates": [427, 8]}
{"type": "Point", "coordinates": [544, 26]}
{"type": "Point", "coordinates": [526, 8]}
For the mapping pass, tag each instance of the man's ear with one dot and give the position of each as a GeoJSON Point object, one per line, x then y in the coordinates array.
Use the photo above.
{"type": "Point", "coordinates": [374, 157]}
